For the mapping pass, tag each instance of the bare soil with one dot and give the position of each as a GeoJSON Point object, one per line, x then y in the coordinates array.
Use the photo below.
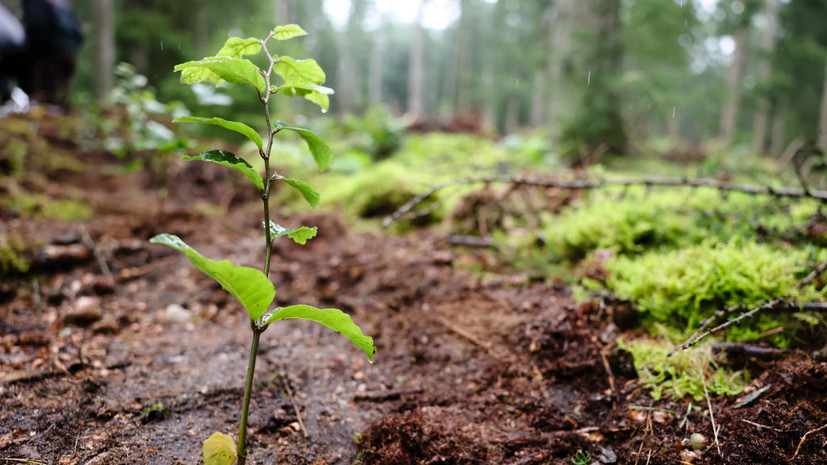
{"type": "Point", "coordinates": [471, 368]}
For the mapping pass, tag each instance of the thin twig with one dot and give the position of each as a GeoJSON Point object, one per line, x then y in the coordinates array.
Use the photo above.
{"type": "Point", "coordinates": [611, 376]}
{"type": "Point", "coordinates": [295, 406]}
{"type": "Point", "coordinates": [88, 242]}
{"type": "Point", "coordinates": [804, 438]}
{"type": "Point", "coordinates": [702, 333]}
{"type": "Point", "coordinates": [711, 417]}
{"type": "Point", "coordinates": [789, 192]}
{"type": "Point", "coordinates": [759, 425]}
{"type": "Point", "coordinates": [470, 337]}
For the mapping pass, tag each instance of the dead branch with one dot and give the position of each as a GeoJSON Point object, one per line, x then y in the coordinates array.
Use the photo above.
{"type": "Point", "coordinates": [781, 192]}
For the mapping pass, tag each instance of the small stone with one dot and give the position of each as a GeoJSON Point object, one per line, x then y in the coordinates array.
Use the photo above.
{"type": "Point", "coordinates": [87, 310]}
{"type": "Point", "coordinates": [107, 325]}
{"type": "Point", "coordinates": [175, 313]}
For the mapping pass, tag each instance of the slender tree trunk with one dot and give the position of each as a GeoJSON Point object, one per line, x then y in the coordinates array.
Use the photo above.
{"type": "Point", "coordinates": [489, 109]}
{"type": "Point", "coordinates": [415, 67]}
{"type": "Point", "coordinates": [283, 10]}
{"type": "Point", "coordinates": [375, 71]}
{"type": "Point", "coordinates": [822, 122]}
{"type": "Point", "coordinates": [202, 30]}
{"type": "Point", "coordinates": [512, 115]}
{"type": "Point", "coordinates": [104, 19]}
{"type": "Point", "coordinates": [463, 60]}
{"type": "Point", "coordinates": [759, 128]}
{"type": "Point", "coordinates": [538, 98]}
{"type": "Point", "coordinates": [779, 131]}
{"type": "Point", "coordinates": [729, 112]}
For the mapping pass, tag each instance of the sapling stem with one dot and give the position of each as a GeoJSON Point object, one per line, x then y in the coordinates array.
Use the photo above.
{"type": "Point", "coordinates": [265, 198]}
{"type": "Point", "coordinates": [248, 389]}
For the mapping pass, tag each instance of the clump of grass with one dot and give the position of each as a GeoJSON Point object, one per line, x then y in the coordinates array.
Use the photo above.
{"type": "Point", "coordinates": [682, 374]}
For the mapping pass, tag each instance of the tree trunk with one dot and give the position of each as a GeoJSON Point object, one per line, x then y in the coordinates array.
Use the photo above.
{"type": "Point", "coordinates": [822, 122]}
{"type": "Point", "coordinates": [375, 71]}
{"type": "Point", "coordinates": [512, 115]}
{"type": "Point", "coordinates": [202, 31]}
{"type": "Point", "coordinates": [104, 20]}
{"type": "Point", "coordinates": [779, 131]}
{"type": "Point", "coordinates": [463, 59]}
{"type": "Point", "coordinates": [415, 67]}
{"type": "Point", "coordinates": [759, 127]}
{"type": "Point", "coordinates": [489, 110]}
{"type": "Point", "coordinates": [729, 112]}
{"type": "Point", "coordinates": [538, 98]}
{"type": "Point", "coordinates": [284, 11]}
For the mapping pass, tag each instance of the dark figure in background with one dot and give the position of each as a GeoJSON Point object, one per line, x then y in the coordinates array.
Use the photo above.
{"type": "Point", "coordinates": [53, 37]}
{"type": "Point", "coordinates": [12, 50]}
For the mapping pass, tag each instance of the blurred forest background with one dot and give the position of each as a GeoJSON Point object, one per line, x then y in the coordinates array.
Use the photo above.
{"type": "Point", "coordinates": [593, 76]}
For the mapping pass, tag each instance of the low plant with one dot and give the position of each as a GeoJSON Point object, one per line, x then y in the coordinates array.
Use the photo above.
{"type": "Point", "coordinates": [252, 287]}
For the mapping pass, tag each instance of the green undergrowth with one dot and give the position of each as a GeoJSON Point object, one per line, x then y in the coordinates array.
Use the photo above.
{"type": "Point", "coordinates": [682, 287]}
{"type": "Point", "coordinates": [12, 254]}
{"type": "Point", "coordinates": [38, 206]}
{"type": "Point", "coordinates": [635, 220]}
{"type": "Point", "coordinates": [682, 374]}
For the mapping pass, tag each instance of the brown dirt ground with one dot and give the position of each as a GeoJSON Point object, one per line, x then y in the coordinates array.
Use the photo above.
{"type": "Point", "coordinates": [470, 368]}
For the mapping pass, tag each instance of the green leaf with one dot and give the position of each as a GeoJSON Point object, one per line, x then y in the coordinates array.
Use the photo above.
{"type": "Point", "coordinates": [320, 95]}
{"type": "Point", "coordinates": [219, 449]}
{"type": "Point", "coordinates": [318, 147]}
{"type": "Point", "coordinates": [307, 192]}
{"type": "Point", "coordinates": [240, 128]}
{"type": "Point", "coordinates": [236, 47]}
{"type": "Point", "coordinates": [334, 319]}
{"type": "Point", "coordinates": [249, 285]}
{"type": "Point", "coordinates": [288, 31]}
{"type": "Point", "coordinates": [299, 235]}
{"type": "Point", "coordinates": [231, 160]}
{"type": "Point", "coordinates": [299, 71]}
{"type": "Point", "coordinates": [216, 69]}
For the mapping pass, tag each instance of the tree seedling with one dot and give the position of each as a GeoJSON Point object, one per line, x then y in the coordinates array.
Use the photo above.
{"type": "Point", "coordinates": [252, 287]}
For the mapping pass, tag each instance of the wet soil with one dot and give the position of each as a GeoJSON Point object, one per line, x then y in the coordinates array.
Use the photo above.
{"type": "Point", "coordinates": [493, 368]}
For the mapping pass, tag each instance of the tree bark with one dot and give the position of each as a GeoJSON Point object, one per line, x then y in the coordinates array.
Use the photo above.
{"type": "Point", "coordinates": [415, 67]}
{"type": "Point", "coordinates": [822, 122]}
{"type": "Point", "coordinates": [759, 128]}
{"type": "Point", "coordinates": [375, 71]}
{"type": "Point", "coordinates": [537, 99]}
{"type": "Point", "coordinates": [729, 111]}
{"type": "Point", "coordinates": [779, 131]}
{"type": "Point", "coordinates": [104, 19]}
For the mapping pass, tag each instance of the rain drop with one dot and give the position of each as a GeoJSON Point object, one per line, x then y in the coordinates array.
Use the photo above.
{"type": "Point", "coordinates": [589, 79]}
{"type": "Point", "coordinates": [324, 110]}
{"type": "Point", "coordinates": [674, 109]}
{"type": "Point", "coordinates": [162, 45]}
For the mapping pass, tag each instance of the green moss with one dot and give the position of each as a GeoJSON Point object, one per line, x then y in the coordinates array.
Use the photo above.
{"type": "Point", "coordinates": [36, 206]}
{"type": "Point", "coordinates": [12, 254]}
{"type": "Point", "coordinates": [682, 374]}
{"type": "Point", "coordinates": [683, 287]}
{"type": "Point", "coordinates": [637, 220]}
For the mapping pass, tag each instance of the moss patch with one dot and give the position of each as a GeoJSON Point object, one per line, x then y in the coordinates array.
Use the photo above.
{"type": "Point", "coordinates": [682, 374]}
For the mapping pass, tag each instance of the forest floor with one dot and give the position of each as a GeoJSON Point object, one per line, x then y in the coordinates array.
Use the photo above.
{"type": "Point", "coordinates": [471, 368]}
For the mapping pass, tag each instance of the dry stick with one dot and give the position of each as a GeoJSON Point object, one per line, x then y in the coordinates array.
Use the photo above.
{"type": "Point", "coordinates": [87, 240]}
{"type": "Point", "coordinates": [295, 406]}
{"type": "Point", "coordinates": [804, 438]}
{"type": "Point", "coordinates": [790, 192]}
{"type": "Point", "coordinates": [759, 425]}
{"type": "Point", "coordinates": [467, 335]}
{"type": "Point", "coordinates": [711, 417]}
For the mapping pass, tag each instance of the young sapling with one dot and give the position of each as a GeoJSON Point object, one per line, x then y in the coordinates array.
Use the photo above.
{"type": "Point", "coordinates": [252, 287]}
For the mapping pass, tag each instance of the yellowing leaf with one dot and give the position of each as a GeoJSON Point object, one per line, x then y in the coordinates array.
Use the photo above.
{"type": "Point", "coordinates": [219, 449]}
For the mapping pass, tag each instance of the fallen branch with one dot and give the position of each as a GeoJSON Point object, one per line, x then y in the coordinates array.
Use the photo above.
{"type": "Point", "coordinates": [778, 304]}
{"type": "Point", "coordinates": [788, 192]}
